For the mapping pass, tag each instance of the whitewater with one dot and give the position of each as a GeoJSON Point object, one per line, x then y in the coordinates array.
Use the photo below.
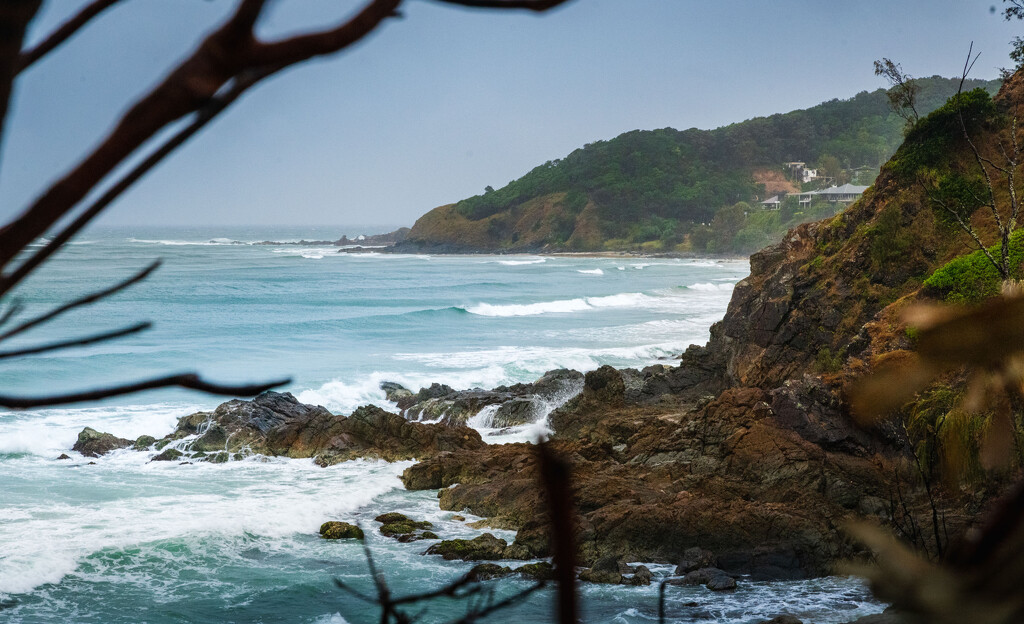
{"type": "Point", "coordinates": [121, 539]}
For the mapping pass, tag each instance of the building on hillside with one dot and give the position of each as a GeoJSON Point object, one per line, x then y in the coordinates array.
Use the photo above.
{"type": "Point", "coordinates": [845, 194]}
{"type": "Point", "coordinates": [809, 174]}
{"type": "Point", "coordinates": [774, 202]}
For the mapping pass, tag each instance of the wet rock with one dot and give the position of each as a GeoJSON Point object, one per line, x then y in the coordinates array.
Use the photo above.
{"type": "Point", "coordinates": [517, 551]}
{"type": "Point", "coordinates": [541, 571]}
{"type": "Point", "coordinates": [276, 424]}
{"type": "Point", "coordinates": [694, 559]}
{"type": "Point", "coordinates": [170, 454]}
{"type": "Point", "coordinates": [485, 547]}
{"type": "Point", "coordinates": [92, 443]}
{"type": "Point", "coordinates": [143, 442]}
{"type": "Point", "coordinates": [396, 393]}
{"type": "Point", "coordinates": [340, 530]}
{"type": "Point", "coordinates": [64, 456]}
{"type": "Point", "coordinates": [712, 578]}
{"type": "Point", "coordinates": [641, 576]}
{"type": "Point", "coordinates": [488, 571]}
{"type": "Point", "coordinates": [606, 578]}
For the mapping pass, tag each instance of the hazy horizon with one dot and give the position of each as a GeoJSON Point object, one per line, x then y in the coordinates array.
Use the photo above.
{"type": "Point", "coordinates": [440, 104]}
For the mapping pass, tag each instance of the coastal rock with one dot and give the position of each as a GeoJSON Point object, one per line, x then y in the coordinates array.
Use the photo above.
{"type": "Point", "coordinates": [694, 559]}
{"type": "Point", "coordinates": [64, 456]}
{"type": "Point", "coordinates": [712, 578]}
{"type": "Point", "coordinates": [540, 571]}
{"type": "Point", "coordinates": [340, 530]}
{"type": "Point", "coordinates": [143, 442]}
{"type": "Point", "coordinates": [485, 547]}
{"type": "Point", "coordinates": [512, 405]}
{"type": "Point", "coordinates": [277, 424]}
{"type": "Point", "coordinates": [170, 454]}
{"type": "Point", "coordinates": [487, 572]}
{"type": "Point", "coordinates": [92, 443]}
{"type": "Point", "coordinates": [641, 576]}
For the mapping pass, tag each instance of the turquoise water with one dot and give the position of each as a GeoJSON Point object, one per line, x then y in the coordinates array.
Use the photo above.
{"type": "Point", "coordinates": [126, 540]}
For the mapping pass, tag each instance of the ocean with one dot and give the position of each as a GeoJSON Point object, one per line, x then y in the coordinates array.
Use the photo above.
{"type": "Point", "coordinates": [126, 540]}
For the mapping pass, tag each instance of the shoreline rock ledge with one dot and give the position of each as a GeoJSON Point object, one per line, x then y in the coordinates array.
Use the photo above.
{"type": "Point", "coordinates": [277, 424]}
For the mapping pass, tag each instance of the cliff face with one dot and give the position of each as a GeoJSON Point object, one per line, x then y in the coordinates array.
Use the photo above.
{"type": "Point", "coordinates": [747, 448]}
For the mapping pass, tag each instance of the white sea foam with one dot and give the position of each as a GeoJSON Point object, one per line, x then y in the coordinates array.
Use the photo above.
{"type": "Point", "coordinates": [665, 301]}
{"type": "Point", "coordinates": [521, 262]}
{"type": "Point", "coordinates": [82, 516]}
{"type": "Point", "coordinates": [563, 306]}
{"type": "Point", "coordinates": [590, 271]}
{"type": "Point", "coordinates": [50, 432]}
{"type": "Point", "coordinates": [709, 287]}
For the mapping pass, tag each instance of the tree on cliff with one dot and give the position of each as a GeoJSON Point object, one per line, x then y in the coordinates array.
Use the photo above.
{"type": "Point", "coordinates": [224, 65]}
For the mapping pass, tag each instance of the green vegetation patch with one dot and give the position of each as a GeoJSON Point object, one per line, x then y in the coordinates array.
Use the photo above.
{"type": "Point", "coordinates": [972, 278]}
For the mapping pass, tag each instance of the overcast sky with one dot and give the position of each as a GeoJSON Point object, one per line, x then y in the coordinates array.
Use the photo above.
{"type": "Point", "coordinates": [436, 106]}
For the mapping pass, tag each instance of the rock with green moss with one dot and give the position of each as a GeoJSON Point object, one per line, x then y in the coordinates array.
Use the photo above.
{"type": "Point", "coordinates": [541, 571]}
{"type": "Point", "coordinates": [143, 442]}
{"type": "Point", "coordinates": [391, 516]}
{"type": "Point", "coordinates": [334, 530]}
{"type": "Point", "coordinates": [92, 443]}
{"type": "Point", "coordinates": [485, 547]}
{"type": "Point", "coordinates": [488, 571]}
{"type": "Point", "coordinates": [168, 455]}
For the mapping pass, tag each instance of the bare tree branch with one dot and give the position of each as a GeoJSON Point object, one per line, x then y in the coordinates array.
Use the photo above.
{"type": "Point", "coordinates": [12, 309]}
{"type": "Point", "coordinates": [186, 380]}
{"type": "Point", "coordinates": [530, 5]}
{"type": "Point", "coordinates": [78, 342]}
{"type": "Point", "coordinates": [205, 116]}
{"type": "Point", "coordinates": [81, 301]}
{"type": "Point", "coordinates": [64, 32]}
{"type": "Point", "coordinates": [15, 16]}
{"type": "Point", "coordinates": [478, 613]}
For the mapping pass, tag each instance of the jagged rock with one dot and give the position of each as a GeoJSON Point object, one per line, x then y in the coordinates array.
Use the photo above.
{"type": "Point", "coordinates": [541, 571]}
{"type": "Point", "coordinates": [488, 571]}
{"type": "Point", "coordinates": [340, 530]}
{"type": "Point", "coordinates": [606, 578]}
{"type": "Point", "coordinates": [712, 578]}
{"type": "Point", "coordinates": [517, 404]}
{"type": "Point", "coordinates": [694, 559]}
{"type": "Point", "coordinates": [170, 454]}
{"type": "Point", "coordinates": [641, 576]}
{"type": "Point", "coordinates": [485, 547]}
{"type": "Point", "coordinates": [277, 424]}
{"type": "Point", "coordinates": [396, 393]}
{"type": "Point", "coordinates": [92, 443]}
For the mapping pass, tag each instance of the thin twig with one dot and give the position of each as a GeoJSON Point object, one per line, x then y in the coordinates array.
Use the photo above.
{"type": "Point", "coordinates": [12, 309]}
{"type": "Point", "coordinates": [479, 613]}
{"type": "Point", "coordinates": [64, 32]}
{"type": "Point", "coordinates": [81, 301]}
{"type": "Point", "coordinates": [187, 380]}
{"type": "Point", "coordinates": [78, 342]}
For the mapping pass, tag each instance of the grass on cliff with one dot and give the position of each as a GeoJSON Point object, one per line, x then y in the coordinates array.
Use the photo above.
{"type": "Point", "coordinates": [972, 278]}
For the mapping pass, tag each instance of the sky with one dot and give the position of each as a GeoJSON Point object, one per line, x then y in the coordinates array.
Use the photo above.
{"type": "Point", "coordinates": [437, 105]}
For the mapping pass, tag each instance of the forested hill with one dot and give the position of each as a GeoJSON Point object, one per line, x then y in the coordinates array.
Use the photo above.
{"type": "Point", "coordinates": [650, 189]}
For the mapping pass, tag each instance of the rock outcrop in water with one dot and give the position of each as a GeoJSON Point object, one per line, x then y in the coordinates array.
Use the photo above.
{"type": "Point", "coordinates": [92, 443]}
{"type": "Point", "coordinates": [511, 406]}
{"type": "Point", "coordinates": [276, 424]}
